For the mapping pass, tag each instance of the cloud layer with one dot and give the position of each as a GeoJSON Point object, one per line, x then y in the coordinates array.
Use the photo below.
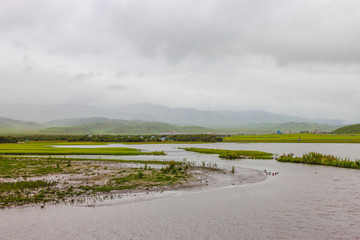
{"type": "Point", "coordinates": [285, 56]}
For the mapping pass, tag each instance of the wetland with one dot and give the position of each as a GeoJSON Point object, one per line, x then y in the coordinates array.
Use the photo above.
{"type": "Point", "coordinates": [301, 202]}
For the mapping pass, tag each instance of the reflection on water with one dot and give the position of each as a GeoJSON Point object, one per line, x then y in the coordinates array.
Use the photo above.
{"type": "Point", "coordinates": [302, 202]}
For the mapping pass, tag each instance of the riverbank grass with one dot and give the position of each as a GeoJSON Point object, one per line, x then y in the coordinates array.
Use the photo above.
{"type": "Point", "coordinates": [49, 148]}
{"type": "Point", "coordinates": [233, 154]}
{"type": "Point", "coordinates": [320, 159]}
{"type": "Point", "coordinates": [24, 167]}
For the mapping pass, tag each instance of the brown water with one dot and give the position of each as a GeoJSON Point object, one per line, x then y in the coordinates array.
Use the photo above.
{"type": "Point", "coordinates": [302, 202]}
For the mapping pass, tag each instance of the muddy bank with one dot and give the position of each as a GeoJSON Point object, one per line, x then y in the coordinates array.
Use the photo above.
{"type": "Point", "coordinates": [203, 179]}
{"type": "Point", "coordinates": [89, 183]}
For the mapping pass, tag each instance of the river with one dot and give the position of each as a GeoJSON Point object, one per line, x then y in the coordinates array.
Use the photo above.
{"type": "Point", "coordinates": [302, 202]}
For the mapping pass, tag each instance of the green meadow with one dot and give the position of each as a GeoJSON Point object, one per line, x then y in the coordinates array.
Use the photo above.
{"type": "Point", "coordinates": [24, 166]}
{"type": "Point", "coordinates": [48, 148]}
{"type": "Point", "coordinates": [233, 154]}
{"type": "Point", "coordinates": [294, 138]}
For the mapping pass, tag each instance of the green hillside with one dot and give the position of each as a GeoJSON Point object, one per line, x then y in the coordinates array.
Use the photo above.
{"type": "Point", "coordinates": [99, 125]}
{"type": "Point", "coordinates": [75, 121]}
{"type": "Point", "coordinates": [351, 129]}
{"type": "Point", "coordinates": [9, 125]}
{"type": "Point", "coordinates": [293, 127]}
{"type": "Point", "coordinates": [121, 127]}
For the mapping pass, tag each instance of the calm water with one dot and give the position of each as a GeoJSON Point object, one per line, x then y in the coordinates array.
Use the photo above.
{"type": "Point", "coordinates": [302, 202]}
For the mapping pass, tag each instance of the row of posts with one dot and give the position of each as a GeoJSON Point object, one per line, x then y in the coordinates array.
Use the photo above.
{"type": "Point", "coordinates": [270, 173]}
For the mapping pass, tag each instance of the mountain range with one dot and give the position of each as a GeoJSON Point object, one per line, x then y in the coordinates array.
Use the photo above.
{"type": "Point", "coordinates": [147, 119]}
{"type": "Point", "coordinates": [153, 113]}
{"type": "Point", "coordinates": [97, 125]}
{"type": "Point", "coordinates": [115, 126]}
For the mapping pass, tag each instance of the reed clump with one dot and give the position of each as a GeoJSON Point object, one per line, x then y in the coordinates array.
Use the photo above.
{"type": "Point", "coordinates": [320, 159]}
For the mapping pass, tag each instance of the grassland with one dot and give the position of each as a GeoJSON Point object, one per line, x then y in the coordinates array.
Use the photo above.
{"type": "Point", "coordinates": [320, 159]}
{"type": "Point", "coordinates": [350, 129]}
{"type": "Point", "coordinates": [24, 167]}
{"type": "Point", "coordinates": [47, 148]}
{"type": "Point", "coordinates": [33, 180]}
{"type": "Point", "coordinates": [164, 142]}
{"type": "Point", "coordinates": [294, 138]}
{"type": "Point", "coordinates": [233, 154]}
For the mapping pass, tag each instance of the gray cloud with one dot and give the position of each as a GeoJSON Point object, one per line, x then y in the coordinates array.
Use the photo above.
{"type": "Point", "coordinates": [289, 31]}
{"type": "Point", "coordinates": [81, 77]}
{"type": "Point", "coordinates": [115, 87]}
{"type": "Point", "coordinates": [287, 56]}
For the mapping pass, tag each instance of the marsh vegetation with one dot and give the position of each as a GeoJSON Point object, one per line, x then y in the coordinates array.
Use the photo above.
{"type": "Point", "coordinates": [320, 159]}
{"type": "Point", "coordinates": [33, 180]}
{"type": "Point", "coordinates": [48, 148]}
{"type": "Point", "coordinates": [233, 154]}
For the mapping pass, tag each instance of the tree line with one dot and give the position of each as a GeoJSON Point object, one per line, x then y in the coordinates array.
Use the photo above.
{"type": "Point", "coordinates": [195, 138]}
{"type": "Point", "coordinates": [112, 138]}
{"type": "Point", "coordinates": [8, 139]}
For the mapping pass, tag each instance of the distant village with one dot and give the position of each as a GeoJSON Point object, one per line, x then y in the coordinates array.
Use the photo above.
{"type": "Point", "coordinates": [290, 132]}
{"type": "Point", "coordinates": [316, 131]}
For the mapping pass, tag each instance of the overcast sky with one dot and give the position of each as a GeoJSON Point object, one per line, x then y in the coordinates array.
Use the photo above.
{"type": "Point", "coordinates": [285, 56]}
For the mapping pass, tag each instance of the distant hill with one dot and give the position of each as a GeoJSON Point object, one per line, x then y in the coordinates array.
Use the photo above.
{"type": "Point", "coordinates": [351, 129]}
{"type": "Point", "coordinates": [113, 126]}
{"type": "Point", "coordinates": [99, 125]}
{"type": "Point", "coordinates": [268, 128]}
{"type": "Point", "coordinates": [296, 127]}
{"type": "Point", "coordinates": [190, 116]}
{"type": "Point", "coordinates": [150, 113]}
{"type": "Point", "coordinates": [121, 127]}
{"type": "Point", "coordinates": [75, 121]}
{"type": "Point", "coordinates": [10, 125]}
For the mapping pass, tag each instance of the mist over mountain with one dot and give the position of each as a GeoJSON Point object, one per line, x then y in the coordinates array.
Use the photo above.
{"type": "Point", "coordinates": [8, 124]}
{"type": "Point", "coordinates": [116, 126]}
{"type": "Point", "coordinates": [148, 112]}
{"type": "Point", "coordinates": [45, 113]}
{"type": "Point", "coordinates": [97, 125]}
{"type": "Point", "coordinates": [75, 121]}
{"type": "Point", "coordinates": [120, 127]}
